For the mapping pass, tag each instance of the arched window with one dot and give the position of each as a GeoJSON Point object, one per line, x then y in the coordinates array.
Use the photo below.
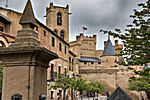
{"type": "Point", "coordinates": [59, 18]}
{"type": "Point", "coordinates": [1, 28]}
{"type": "Point", "coordinates": [2, 44]}
{"type": "Point", "coordinates": [55, 30]}
{"type": "Point", "coordinates": [62, 34]}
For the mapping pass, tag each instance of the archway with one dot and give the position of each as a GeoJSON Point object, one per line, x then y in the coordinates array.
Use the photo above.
{"type": "Point", "coordinates": [3, 41]}
{"type": "Point", "coordinates": [2, 44]}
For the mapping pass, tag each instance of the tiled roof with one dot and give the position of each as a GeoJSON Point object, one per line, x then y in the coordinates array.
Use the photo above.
{"type": "Point", "coordinates": [109, 49]}
{"type": "Point", "coordinates": [88, 59]}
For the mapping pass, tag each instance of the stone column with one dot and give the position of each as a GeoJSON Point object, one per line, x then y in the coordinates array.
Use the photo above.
{"type": "Point", "coordinates": [25, 72]}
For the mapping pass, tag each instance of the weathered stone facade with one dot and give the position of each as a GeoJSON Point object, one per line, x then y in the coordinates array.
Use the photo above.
{"type": "Point", "coordinates": [55, 37]}
{"type": "Point", "coordinates": [25, 62]}
{"type": "Point", "coordinates": [57, 19]}
{"type": "Point", "coordinates": [46, 35]}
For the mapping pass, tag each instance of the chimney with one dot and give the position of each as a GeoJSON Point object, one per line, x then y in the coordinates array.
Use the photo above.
{"type": "Point", "coordinates": [51, 4]}
{"type": "Point", "coordinates": [116, 42]}
{"type": "Point", "coordinates": [67, 7]}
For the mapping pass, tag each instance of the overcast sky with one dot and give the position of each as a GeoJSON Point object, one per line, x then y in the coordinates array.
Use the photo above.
{"type": "Point", "coordinates": [93, 14]}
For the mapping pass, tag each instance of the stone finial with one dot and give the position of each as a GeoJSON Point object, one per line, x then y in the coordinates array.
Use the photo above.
{"type": "Point", "coordinates": [67, 7]}
{"type": "Point", "coordinates": [28, 18]}
{"type": "Point", "coordinates": [27, 37]}
{"type": "Point", "coordinates": [51, 4]}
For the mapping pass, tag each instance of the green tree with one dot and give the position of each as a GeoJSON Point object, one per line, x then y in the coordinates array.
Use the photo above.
{"type": "Point", "coordinates": [80, 85]}
{"type": "Point", "coordinates": [141, 83]}
{"type": "Point", "coordinates": [136, 42]}
{"type": "Point", "coordinates": [64, 83]}
{"type": "Point", "coordinates": [94, 87]}
{"type": "Point", "coordinates": [136, 39]}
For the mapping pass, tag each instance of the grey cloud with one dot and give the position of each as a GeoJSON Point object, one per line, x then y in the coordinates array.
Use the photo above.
{"type": "Point", "coordinates": [94, 14]}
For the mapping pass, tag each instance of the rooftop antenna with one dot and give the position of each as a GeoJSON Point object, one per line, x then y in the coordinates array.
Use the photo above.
{"type": "Point", "coordinates": [6, 4]}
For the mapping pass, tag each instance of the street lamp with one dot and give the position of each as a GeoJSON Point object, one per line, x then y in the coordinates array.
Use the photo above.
{"type": "Point", "coordinates": [72, 90]}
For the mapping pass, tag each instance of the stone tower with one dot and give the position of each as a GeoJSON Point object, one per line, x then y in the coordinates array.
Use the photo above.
{"type": "Point", "coordinates": [57, 19]}
{"type": "Point", "coordinates": [25, 63]}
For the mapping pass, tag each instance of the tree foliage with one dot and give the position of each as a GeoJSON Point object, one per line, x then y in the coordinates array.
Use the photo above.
{"type": "Point", "coordinates": [95, 87]}
{"type": "Point", "coordinates": [64, 83]}
{"type": "Point", "coordinates": [77, 84]}
{"type": "Point", "coordinates": [142, 82]}
{"type": "Point", "coordinates": [136, 38]}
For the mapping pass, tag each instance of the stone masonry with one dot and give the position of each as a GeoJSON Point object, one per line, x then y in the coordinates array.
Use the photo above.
{"type": "Point", "coordinates": [25, 62]}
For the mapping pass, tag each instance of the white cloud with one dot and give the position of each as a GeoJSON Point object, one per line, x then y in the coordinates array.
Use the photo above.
{"type": "Point", "coordinates": [94, 14]}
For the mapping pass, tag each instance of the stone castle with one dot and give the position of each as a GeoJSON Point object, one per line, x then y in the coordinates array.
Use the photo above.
{"type": "Point", "coordinates": [78, 57]}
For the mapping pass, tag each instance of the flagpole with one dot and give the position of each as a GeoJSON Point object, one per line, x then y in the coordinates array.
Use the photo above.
{"type": "Point", "coordinates": [6, 4]}
{"type": "Point", "coordinates": [83, 31]}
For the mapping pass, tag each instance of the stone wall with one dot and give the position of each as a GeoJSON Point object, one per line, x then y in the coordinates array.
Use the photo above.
{"type": "Point", "coordinates": [14, 18]}
{"type": "Point", "coordinates": [112, 77]}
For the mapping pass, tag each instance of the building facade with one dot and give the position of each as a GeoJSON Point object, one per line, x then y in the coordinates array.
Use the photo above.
{"type": "Point", "coordinates": [55, 41]}
{"type": "Point", "coordinates": [76, 57]}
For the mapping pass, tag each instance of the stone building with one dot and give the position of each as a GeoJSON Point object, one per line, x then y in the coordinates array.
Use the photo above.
{"type": "Point", "coordinates": [100, 65]}
{"type": "Point", "coordinates": [79, 56]}
{"type": "Point", "coordinates": [88, 57]}
{"type": "Point", "coordinates": [54, 36]}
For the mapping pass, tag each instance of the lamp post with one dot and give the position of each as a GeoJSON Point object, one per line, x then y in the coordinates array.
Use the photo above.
{"type": "Point", "coordinates": [64, 96]}
{"type": "Point", "coordinates": [72, 90]}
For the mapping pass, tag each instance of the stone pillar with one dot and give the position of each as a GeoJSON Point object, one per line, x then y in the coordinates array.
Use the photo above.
{"type": "Point", "coordinates": [25, 72]}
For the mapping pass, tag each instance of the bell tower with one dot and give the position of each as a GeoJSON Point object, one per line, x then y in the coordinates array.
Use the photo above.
{"type": "Point", "coordinates": [57, 19]}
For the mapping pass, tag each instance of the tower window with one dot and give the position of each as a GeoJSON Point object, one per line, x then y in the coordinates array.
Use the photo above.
{"type": "Point", "coordinates": [65, 50]}
{"type": "Point", "coordinates": [59, 18]}
{"type": "Point", "coordinates": [44, 33]}
{"type": "Point", "coordinates": [85, 63]}
{"type": "Point", "coordinates": [60, 46]}
{"type": "Point", "coordinates": [1, 29]}
{"type": "Point", "coordinates": [52, 72]}
{"type": "Point", "coordinates": [99, 62]}
{"type": "Point", "coordinates": [59, 70]}
{"type": "Point", "coordinates": [62, 34]}
{"type": "Point", "coordinates": [53, 41]}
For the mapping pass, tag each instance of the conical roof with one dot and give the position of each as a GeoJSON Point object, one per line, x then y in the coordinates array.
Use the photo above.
{"type": "Point", "coordinates": [109, 49]}
{"type": "Point", "coordinates": [28, 15]}
{"type": "Point", "coordinates": [119, 94]}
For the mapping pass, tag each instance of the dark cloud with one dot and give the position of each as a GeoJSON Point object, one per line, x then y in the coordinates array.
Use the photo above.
{"type": "Point", "coordinates": [93, 14]}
